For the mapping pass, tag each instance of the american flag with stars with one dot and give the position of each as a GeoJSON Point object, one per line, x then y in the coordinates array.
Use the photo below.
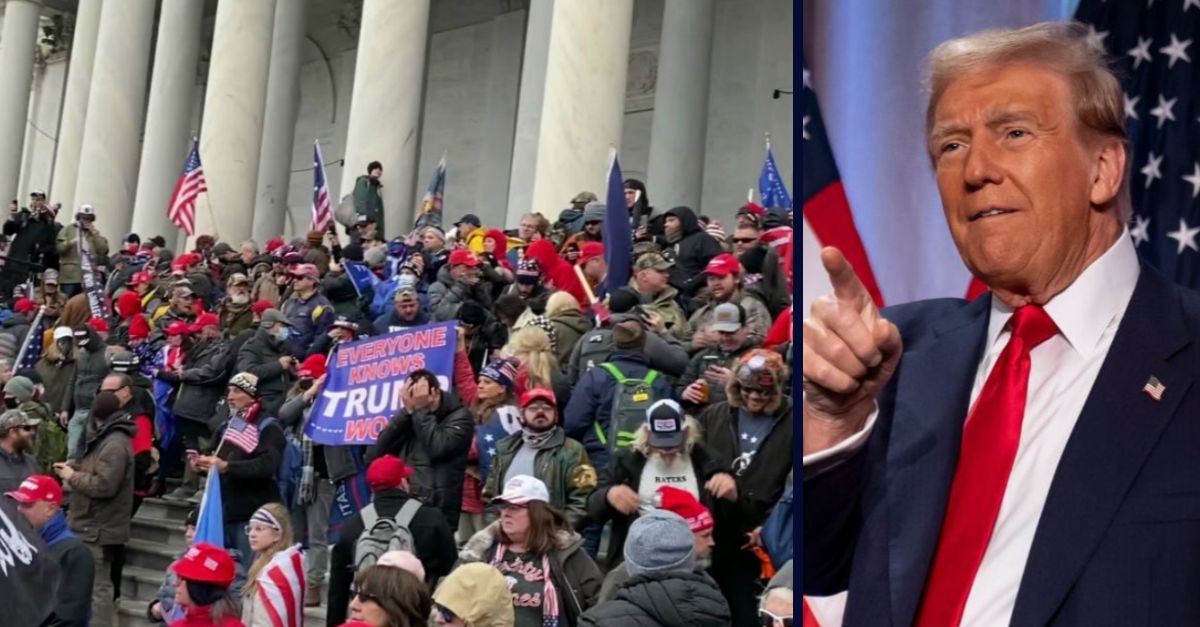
{"type": "Point", "coordinates": [1156, 48]}
{"type": "Point", "coordinates": [322, 210]}
{"type": "Point", "coordinates": [241, 434]}
{"type": "Point", "coordinates": [182, 209]}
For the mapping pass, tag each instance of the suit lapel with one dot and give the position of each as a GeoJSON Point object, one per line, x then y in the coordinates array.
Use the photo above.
{"type": "Point", "coordinates": [1116, 431]}
{"type": "Point", "coordinates": [933, 391]}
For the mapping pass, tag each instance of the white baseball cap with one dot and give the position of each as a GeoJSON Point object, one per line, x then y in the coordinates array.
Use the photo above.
{"type": "Point", "coordinates": [86, 210]}
{"type": "Point", "coordinates": [522, 489]}
{"type": "Point", "coordinates": [62, 332]}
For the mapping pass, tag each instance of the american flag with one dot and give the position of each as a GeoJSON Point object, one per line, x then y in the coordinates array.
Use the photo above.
{"type": "Point", "coordinates": [1156, 49]}
{"type": "Point", "coordinates": [827, 217]}
{"type": "Point", "coordinates": [241, 434]}
{"type": "Point", "coordinates": [191, 184]}
{"type": "Point", "coordinates": [430, 212]}
{"type": "Point", "coordinates": [1154, 388]}
{"type": "Point", "coordinates": [322, 211]}
{"type": "Point", "coordinates": [281, 588]}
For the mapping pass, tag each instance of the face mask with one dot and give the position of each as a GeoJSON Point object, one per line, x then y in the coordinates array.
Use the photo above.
{"type": "Point", "coordinates": [406, 280]}
{"type": "Point", "coordinates": [305, 384]}
{"type": "Point", "coordinates": [282, 334]}
{"type": "Point", "coordinates": [10, 402]}
{"type": "Point", "coordinates": [105, 399]}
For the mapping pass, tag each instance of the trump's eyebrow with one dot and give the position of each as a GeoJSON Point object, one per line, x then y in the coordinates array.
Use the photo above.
{"type": "Point", "coordinates": [992, 118]}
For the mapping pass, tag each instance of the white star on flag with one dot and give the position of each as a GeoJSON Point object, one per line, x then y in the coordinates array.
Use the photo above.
{"type": "Point", "coordinates": [492, 452]}
{"type": "Point", "coordinates": [1096, 38]}
{"type": "Point", "coordinates": [1194, 179]}
{"type": "Point", "coordinates": [1141, 230]}
{"type": "Point", "coordinates": [489, 437]}
{"type": "Point", "coordinates": [1185, 236]}
{"type": "Point", "coordinates": [1140, 52]}
{"type": "Point", "coordinates": [1152, 169]}
{"type": "Point", "coordinates": [1131, 106]}
{"type": "Point", "coordinates": [1176, 51]}
{"type": "Point", "coordinates": [1164, 110]}
{"type": "Point", "coordinates": [745, 436]}
{"type": "Point", "coordinates": [804, 127]}
{"type": "Point", "coordinates": [807, 78]}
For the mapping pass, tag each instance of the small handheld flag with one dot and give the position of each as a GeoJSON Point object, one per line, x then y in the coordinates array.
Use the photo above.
{"type": "Point", "coordinates": [322, 210]}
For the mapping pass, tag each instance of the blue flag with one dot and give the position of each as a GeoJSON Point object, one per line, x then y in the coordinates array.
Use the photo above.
{"type": "Point", "coordinates": [770, 185]}
{"type": "Point", "coordinates": [210, 526]}
{"type": "Point", "coordinates": [617, 231]}
{"type": "Point", "coordinates": [361, 276]}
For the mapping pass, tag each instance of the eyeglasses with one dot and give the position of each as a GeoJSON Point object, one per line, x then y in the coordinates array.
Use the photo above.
{"type": "Point", "coordinates": [745, 240]}
{"type": "Point", "coordinates": [445, 614]}
{"type": "Point", "coordinates": [755, 392]}
{"type": "Point", "coordinates": [512, 507]}
{"type": "Point", "coordinates": [539, 406]}
{"type": "Point", "coordinates": [27, 429]}
{"type": "Point", "coordinates": [114, 390]}
{"type": "Point", "coordinates": [366, 596]}
{"type": "Point", "coordinates": [767, 619]}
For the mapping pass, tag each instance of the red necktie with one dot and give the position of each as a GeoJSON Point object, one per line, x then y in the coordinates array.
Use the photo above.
{"type": "Point", "coordinates": [989, 445]}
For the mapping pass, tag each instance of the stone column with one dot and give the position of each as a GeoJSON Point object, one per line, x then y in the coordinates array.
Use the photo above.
{"type": "Point", "coordinates": [168, 115]}
{"type": "Point", "coordinates": [74, 106]}
{"type": "Point", "coordinates": [385, 106]}
{"type": "Point", "coordinates": [17, 41]}
{"type": "Point", "coordinates": [584, 100]}
{"type": "Point", "coordinates": [108, 159]}
{"type": "Point", "coordinates": [676, 171]}
{"type": "Point", "coordinates": [529, 110]}
{"type": "Point", "coordinates": [233, 117]}
{"type": "Point", "coordinates": [279, 127]}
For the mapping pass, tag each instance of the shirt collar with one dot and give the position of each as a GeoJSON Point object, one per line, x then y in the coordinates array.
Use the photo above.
{"type": "Point", "coordinates": [1089, 304]}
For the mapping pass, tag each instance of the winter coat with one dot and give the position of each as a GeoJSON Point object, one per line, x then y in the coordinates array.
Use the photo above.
{"type": "Point", "coordinates": [165, 597]}
{"type": "Point", "coordinates": [8, 346]}
{"type": "Point", "coordinates": [663, 350]}
{"type": "Point", "coordinates": [701, 361]}
{"type": "Point", "coordinates": [671, 599]}
{"type": "Point", "coordinates": [435, 445]}
{"type": "Point", "coordinates": [31, 239]}
{"type": "Point", "coordinates": [102, 487]}
{"type": "Point", "coordinates": [432, 537]}
{"type": "Point", "coordinates": [235, 318]}
{"type": "Point", "coordinates": [569, 326]}
{"type": "Point", "coordinates": [69, 269]}
{"type": "Point", "coordinates": [266, 289]}
{"type": "Point", "coordinates": [202, 617]}
{"type": "Point", "coordinates": [576, 576]}
{"type": "Point", "coordinates": [15, 468]}
{"type": "Point", "coordinates": [390, 322]}
{"type": "Point", "coordinates": [17, 326]}
{"type": "Point", "coordinates": [693, 251]}
{"type": "Point", "coordinates": [665, 303]}
{"type": "Point", "coordinates": [201, 384]}
{"type": "Point", "coordinates": [559, 273]}
{"type": "Point", "coordinates": [478, 595]}
{"type": "Point", "coordinates": [248, 482]}
{"type": "Point", "coordinates": [591, 401]}
{"type": "Point", "coordinates": [91, 366]}
{"type": "Point", "coordinates": [626, 469]}
{"type": "Point", "coordinates": [76, 566]}
{"type": "Point", "coordinates": [260, 356]}
{"type": "Point", "coordinates": [368, 199]}
{"type": "Point", "coordinates": [562, 464]}
{"type": "Point", "coordinates": [51, 444]}
{"type": "Point", "coordinates": [57, 376]}
{"type": "Point", "coordinates": [446, 296]}
{"type": "Point", "coordinates": [310, 319]}
{"type": "Point", "coordinates": [758, 319]}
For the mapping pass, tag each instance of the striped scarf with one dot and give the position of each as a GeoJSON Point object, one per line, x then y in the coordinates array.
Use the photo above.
{"type": "Point", "coordinates": [549, 592]}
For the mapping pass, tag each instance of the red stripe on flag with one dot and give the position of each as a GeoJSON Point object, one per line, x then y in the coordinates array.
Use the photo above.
{"type": "Point", "coordinates": [828, 212]}
{"type": "Point", "coordinates": [809, 619]}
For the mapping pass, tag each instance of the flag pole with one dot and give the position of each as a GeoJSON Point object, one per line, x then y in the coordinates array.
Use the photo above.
{"type": "Point", "coordinates": [208, 203]}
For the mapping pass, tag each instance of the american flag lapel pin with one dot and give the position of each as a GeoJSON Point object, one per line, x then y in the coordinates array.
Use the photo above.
{"type": "Point", "coordinates": [1154, 388]}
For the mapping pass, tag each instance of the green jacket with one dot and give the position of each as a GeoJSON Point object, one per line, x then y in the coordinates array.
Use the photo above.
{"type": "Point", "coordinates": [562, 464]}
{"type": "Point", "coordinates": [367, 199]}
{"type": "Point", "coordinates": [69, 270]}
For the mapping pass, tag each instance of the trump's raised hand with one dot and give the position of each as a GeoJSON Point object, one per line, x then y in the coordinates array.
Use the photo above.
{"type": "Point", "coordinates": [850, 352]}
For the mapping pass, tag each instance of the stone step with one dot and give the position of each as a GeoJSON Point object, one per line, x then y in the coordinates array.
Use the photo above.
{"type": "Point", "coordinates": [166, 532]}
{"type": "Point", "coordinates": [166, 509]}
{"type": "Point", "coordinates": [150, 555]}
{"type": "Point", "coordinates": [140, 584]}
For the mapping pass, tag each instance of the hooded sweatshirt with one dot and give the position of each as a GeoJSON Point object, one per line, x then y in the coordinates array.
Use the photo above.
{"type": "Point", "coordinates": [693, 250]}
{"type": "Point", "coordinates": [478, 594]}
{"type": "Point", "coordinates": [560, 274]}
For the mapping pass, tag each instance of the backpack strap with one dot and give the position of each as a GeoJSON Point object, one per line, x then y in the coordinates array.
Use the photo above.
{"type": "Point", "coordinates": [407, 512]}
{"type": "Point", "coordinates": [651, 376]}
{"type": "Point", "coordinates": [369, 517]}
{"type": "Point", "coordinates": [614, 371]}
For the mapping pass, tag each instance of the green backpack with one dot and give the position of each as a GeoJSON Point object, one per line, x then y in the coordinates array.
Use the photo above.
{"type": "Point", "coordinates": [630, 401]}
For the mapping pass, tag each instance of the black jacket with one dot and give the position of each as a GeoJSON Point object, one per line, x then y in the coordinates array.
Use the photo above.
{"type": "Point", "coordinates": [435, 445]}
{"type": "Point", "coordinates": [626, 469]}
{"type": "Point", "coordinates": [33, 240]}
{"type": "Point", "coordinates": [672, 599]}
{"type": "Point", "coordinates": [249, 481]}
{"type": "Point", "coordinates": [260, 357]}
{"type": "Point", "coordinates": [434, 547]}
{"type": "Point", "coordinates": [692, 252]}
{"type": "Point", "coordinates": [202, 382]}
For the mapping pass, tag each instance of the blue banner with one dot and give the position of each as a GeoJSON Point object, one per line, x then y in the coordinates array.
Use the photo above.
{"type": "Point", "coordinates": [365, 381]}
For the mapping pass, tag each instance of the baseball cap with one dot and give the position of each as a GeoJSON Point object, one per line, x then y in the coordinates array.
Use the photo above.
{"type": "Point", "coordinates": [583, 198]}
{"type": "Point", "coordinates": [50, 276]}
{"type": "Point", "coordinates": [685, 504]}
{"type": "Point", "coordinates": [665, 419]}
{"type": "Point", "coordinates": [651, 260]}
{"type": "Point", "coordinates": [222, 248]}
{"type": "Point", "coordinates": [306, 270]}
{"type": "Point", "coordinates": [313, 367]}
{"type": "Point", "coordinates": [205, 563]}
{"type": "Point", "coordinates": [140, 278]}
{"type": "Point", "coordinates": [589, 251]}
{"type": "Point", "coordinates": [178, 327]}
{"type": "Point", "coordinates": [261, 306]}
{"type": "Point", "coordinates": [471, 219]}
{"type": "Point", "coordinates": [728, 317]}
{"type": "Point", "coordinates": [24, 305]}
{"type": "Point", "coordinates": [464, 257]}
{"type": "Point", "coordinates": [274, 316]}
{"type": "Point", "coordinates": [86, 210]}
{"type": "Point", "coordinates": [13, 418]}
{"type": "Point", "coordinates": [724, 264]}
{"type": "Point", "coordinates": [237, 278]}
{"type": "Point", "coordinates": [405, 295]}
{"type": "Point", "coordinates": [386, 472]}
{"type": "Point", "coordinates": [537, 394]}
{"type": "Point", "coordinates": [522, 490]}
{"type": "Point", "coordinates": [61, 333]}
{"type": "Point", "coordinates": [37, 488]}
{"type": "Point", "coordinates": [342, 322]}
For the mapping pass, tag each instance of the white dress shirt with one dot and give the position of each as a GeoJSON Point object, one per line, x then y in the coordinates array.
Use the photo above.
{"type": "Point", "coordinates": [1062, 373]}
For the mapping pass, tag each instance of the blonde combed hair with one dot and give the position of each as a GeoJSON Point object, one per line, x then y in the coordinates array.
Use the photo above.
{"type": "Point", "coordinates": [531, 346]}
{"type": "Point", "coordinates": [1062, 47]}
{"type": "Point", "coordinates": [262, 559]}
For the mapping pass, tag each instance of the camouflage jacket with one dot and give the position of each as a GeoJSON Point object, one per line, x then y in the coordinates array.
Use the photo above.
{"type": "Point", "coordinates": [562, 464]}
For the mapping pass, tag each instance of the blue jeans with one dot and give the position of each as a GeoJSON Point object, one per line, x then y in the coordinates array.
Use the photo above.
{"type": "Point", "coordinates": [76, 427]}
{"type": "Point", "coordinates": [237, 540]}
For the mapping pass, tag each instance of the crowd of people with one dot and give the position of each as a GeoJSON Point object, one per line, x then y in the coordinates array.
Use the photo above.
{"type": "Point", "coordinates": [597, 455]}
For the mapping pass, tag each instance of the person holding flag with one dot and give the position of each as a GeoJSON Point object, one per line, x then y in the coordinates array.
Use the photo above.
{"type": "Point", "coordinates": [274, 591]}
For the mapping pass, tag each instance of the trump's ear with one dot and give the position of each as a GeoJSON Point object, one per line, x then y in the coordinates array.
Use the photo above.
{"type": "Point", "coordinates": [1108, 171]}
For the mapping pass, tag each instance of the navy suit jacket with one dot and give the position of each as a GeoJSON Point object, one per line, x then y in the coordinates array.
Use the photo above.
{"type": "Point", "coordinates": [1118, 542]}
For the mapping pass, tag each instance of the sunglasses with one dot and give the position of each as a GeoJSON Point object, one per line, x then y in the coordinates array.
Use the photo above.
{"type": "Point", "coordinates": [767, 619]}
{"type": "Point", "coordinates": [27, 429]}
{"type": "Point", "coordinates": [368, 597]}
{"type": "Point", "coordinates": [745, 240]}
{"type": "Point", "coordinates": [445, 614]}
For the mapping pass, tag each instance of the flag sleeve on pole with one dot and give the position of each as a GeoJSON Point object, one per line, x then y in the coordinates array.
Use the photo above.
{"type": "Point", "coordinates": [617, 231]}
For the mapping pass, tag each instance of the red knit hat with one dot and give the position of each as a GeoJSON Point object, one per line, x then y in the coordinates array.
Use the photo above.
{"type": "Point", "coordinates": [589, 251]}
{"type": "Point", "coordinates": [139, 329]}
{"type": "Point", "coordinates": [99, 325]}
{"type": "Point", "coordinates": [260, 306]}
{"type": "Point", "coordinates": [387, 472]}
{"type": "Point", "coordinates": [24, 305]}
{"type": "Point", "coordinates": [178, 327]}
{"type": "Point", "coordinates": [683, 503]}
{"type": "Point", "coordinates": [128, 304]}
{"type": "Point", "coordinates": [312, 368]}
{"type": "Point", "coordinates": [205, 563]}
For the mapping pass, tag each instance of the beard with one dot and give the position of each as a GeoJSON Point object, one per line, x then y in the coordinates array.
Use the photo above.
{"type": "Point", "coordinates": [239, 299]}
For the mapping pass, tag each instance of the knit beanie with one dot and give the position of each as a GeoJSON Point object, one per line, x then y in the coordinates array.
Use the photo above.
{"type": "Point", "coordinates": [594, 212]}
{"type": "Point", "coordinates": [20, 388]}
{"type": "Point", "coordinates": [622, 300]}
{"type": "Point", "coordinates": [502, 371]}
{"type": "Point", "coordinates": [659, 542]}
